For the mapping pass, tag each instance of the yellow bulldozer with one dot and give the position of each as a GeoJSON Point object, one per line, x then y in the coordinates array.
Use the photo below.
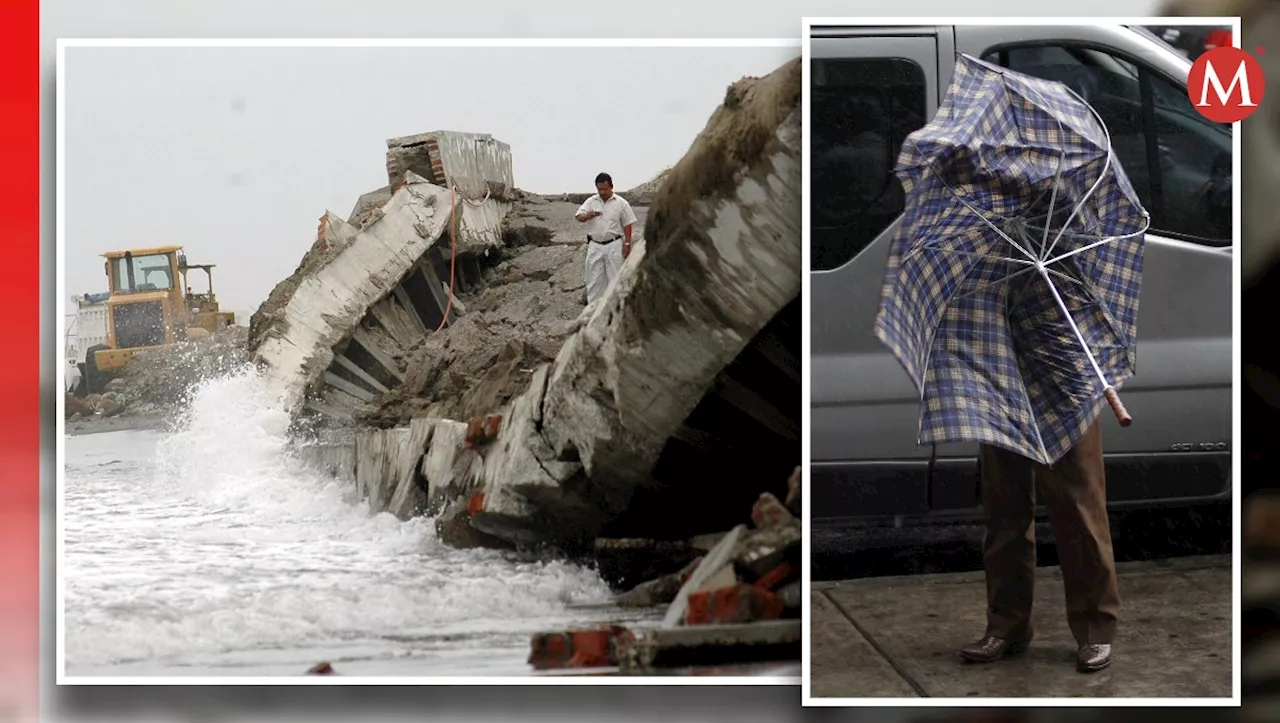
{"type": "Point", "coordinates": [151, 305]}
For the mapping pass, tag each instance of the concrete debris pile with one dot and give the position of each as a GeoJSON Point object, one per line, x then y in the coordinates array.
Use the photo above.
{"type": "Point", "coordinates": [161, 379]}
{"type": "Point", "coordinates": [509, 412]}
{"type": "Point", "coordinates": [735, 599]}
{"type": "Point", "coordinates": [164, 377]}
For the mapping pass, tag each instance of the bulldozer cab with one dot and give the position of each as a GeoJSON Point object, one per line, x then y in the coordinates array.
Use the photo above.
{"type": "Point", "coordinates": [145, 307]}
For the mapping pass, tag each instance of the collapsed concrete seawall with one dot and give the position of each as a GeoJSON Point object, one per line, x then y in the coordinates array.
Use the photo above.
{"type": "Point", "coordinates": [674, 397]}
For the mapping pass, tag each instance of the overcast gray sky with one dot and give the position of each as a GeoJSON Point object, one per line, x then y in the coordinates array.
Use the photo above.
{"type": "Point", "coordinates": [235, 153]}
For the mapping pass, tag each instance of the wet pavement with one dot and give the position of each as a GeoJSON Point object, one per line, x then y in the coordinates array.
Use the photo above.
{"type": "Point", "coordinates": [844, 552]}
{"type": "Point", "coordinates": [898, 636]}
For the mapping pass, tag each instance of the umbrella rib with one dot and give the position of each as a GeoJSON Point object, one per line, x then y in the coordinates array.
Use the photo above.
{"type": "Point", "coordinates": [1067, 277]}
{"type": "Point", "coordinates": [994, 257]}
{"type": "Point", "coordinates": [984, 219]}
{"type": "Point", "coordinates": [1057, 174]}
{"type": "Point", "coordinates": [991, 284]}
{"type": "Point", "coordinates": [1062, 306]}
{"type": "Point", "coordinates": [1100, 242]}
{"type": "Point", "coordinates": [1106, 132]}
{"type": "Point", "coordinates": [1097, 301]}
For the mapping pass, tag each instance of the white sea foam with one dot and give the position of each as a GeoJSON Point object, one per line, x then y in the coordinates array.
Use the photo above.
{"type": "Point", "coordinates": [210, 550]}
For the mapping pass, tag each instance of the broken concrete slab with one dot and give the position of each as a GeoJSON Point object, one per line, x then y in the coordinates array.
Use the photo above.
{"type": "Point", "coordinates": [586, 423]}
{"type": "Point", "coordinates": [383, 458]}
{"type": "Point", "coordinates": [719, 556]}
{"type": "Point", "coordinates": [699, 645]}
{"type": "Point", "coordinates": [294, 340]}
{"type": "Point", "coordinates": [520, 453]}
{"type": "Point", "coordinates": [333, 460]}
{"type": "Point", "coordinates": [447, 465]}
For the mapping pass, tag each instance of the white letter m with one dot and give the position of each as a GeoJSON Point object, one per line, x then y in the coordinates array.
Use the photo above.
{"type": "Point", "coordinates": [1211, 78]}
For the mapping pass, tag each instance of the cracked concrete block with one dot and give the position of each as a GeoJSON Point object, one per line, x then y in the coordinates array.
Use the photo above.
{"type": "Point", "coordinates": [523, 482]}
{"type": "Point", "coordinates": [294, 340]}
{"type": "Point", "coordinates": [334, 460]}
{"type": "Point", "coordinates": [386, 468]}
{"type": "Point", "coordinates": [409, 497]}
{"type": "Point", "coordinates": [449, 468]}
{"type": "Point", "coordinates": [477, 163]}
{"type": "Point", "coordinates": [480, 225]}
{"type": "Point", "coordinates": [376, 460]}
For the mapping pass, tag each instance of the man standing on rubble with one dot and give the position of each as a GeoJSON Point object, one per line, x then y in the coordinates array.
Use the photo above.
{"type": "Point", "coordinates": [609, 219]}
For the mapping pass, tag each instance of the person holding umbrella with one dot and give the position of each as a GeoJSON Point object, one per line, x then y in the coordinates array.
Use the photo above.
{"type": "Point", "coordinates": [1011, 298]}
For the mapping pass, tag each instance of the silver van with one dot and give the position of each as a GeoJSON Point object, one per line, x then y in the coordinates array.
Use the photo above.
{"type": "Point", "coordinates": [870, 87]}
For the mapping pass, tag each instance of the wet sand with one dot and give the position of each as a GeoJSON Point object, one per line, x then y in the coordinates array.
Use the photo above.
{"type": "Point", "coordinates": [97, 425]}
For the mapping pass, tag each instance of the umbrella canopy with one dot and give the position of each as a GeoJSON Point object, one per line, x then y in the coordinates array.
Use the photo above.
{"type": "Point", "coordinates": [1011, 290]}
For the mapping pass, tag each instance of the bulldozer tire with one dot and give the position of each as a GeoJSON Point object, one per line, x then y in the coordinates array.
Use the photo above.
{"type": "Point", "coordinates": [81, 390]}
{"type": "Point", "coordinates": [93, 380]}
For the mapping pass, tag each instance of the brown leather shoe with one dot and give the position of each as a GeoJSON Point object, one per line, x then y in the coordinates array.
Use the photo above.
{"type": "Point", "coordinates": [989, 649]}
{"type": "Point", "coordinates": [1093, 657]}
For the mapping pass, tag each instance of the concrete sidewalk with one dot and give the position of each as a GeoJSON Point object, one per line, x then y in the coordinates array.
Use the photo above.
{"type": "Point", "coordinates": [898, 637]}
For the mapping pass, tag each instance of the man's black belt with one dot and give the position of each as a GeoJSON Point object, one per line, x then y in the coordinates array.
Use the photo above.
{"type": "Point", "coordinates": [594, 240]}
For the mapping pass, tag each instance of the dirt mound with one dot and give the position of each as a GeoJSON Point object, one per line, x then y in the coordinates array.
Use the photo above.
{"type": "Point", "coordinates": [644, 194]}
{"type": "Point", "coordinates": [160, 378]}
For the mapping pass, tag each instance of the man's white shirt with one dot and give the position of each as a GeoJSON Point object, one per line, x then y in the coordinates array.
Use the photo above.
{"type": "Point", "coordinates": [615, 214]}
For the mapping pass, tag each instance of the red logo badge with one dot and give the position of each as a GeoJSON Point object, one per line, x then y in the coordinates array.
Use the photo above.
{"type": "Point", "coordinates": [1226, 84]}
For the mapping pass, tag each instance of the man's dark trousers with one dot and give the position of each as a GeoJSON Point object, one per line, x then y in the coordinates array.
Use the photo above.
{"type": "Point", "coordinates": [1076, 492]}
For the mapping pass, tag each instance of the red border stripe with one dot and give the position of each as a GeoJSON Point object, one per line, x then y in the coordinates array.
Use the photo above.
{"type": "Point", "coordinates": [20, 361]}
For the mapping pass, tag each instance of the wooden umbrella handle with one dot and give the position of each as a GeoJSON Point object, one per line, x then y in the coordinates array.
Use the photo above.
{"type": "Point", "coordinates": [1122, 414]}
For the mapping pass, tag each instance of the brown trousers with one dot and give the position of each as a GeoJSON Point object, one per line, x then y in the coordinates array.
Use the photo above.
{"type": "Point", "coordinates": [1076, 492]}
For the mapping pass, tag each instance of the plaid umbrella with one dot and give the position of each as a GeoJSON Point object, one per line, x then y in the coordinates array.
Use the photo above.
{"type": "Point", "coordinates": [1011, 291]}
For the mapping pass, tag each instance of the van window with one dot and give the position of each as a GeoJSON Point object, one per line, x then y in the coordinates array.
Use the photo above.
{"type": "Point", "coordinates": [1178, 161]}
{"type": "Point", "coordinates": [861, 112]}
